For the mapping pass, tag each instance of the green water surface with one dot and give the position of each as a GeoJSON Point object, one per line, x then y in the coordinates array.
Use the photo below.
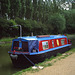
{"type": "Point", "coordinates": [6, 67]}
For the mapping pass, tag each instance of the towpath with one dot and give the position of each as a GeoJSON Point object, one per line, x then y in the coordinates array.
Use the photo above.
{"type": "Point", "coordinates": [62, 67]}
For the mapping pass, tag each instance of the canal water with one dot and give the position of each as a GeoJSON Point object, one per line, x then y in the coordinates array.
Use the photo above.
{"type": "Point", "coordinates": [6, 67]}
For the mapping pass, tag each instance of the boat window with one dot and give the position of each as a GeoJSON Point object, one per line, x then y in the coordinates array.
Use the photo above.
{"type": "Point", "coordinates": [15, 44]}
{"type": "Point", "coordinates": [53, 43]}
{"type": "Point", "coordinates": [45, 45]}
{"type": "Point", "coordinates": [25, 46]}
{"type": "Point", "coordinates": [62, 41]}
{"type": "Point", "coordinates": [57, 42]}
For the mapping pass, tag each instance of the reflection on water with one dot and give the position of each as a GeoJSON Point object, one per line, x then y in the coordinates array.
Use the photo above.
{"type": "Point", "coordinates": [6, 67]}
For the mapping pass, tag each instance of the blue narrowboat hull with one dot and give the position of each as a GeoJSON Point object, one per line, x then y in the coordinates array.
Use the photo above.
{"type": "Point", "coordinates": [21, 61]}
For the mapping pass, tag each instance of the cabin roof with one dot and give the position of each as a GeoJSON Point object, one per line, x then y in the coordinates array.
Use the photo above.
{"type": "Point", "coordinates": [42, 38]}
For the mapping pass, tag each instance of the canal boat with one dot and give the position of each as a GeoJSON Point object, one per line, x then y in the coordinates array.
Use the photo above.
{"type": "Point", "coordinates": [37, 48]}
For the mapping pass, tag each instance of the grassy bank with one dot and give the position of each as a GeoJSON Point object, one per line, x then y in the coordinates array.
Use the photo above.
{"type": "Point", "coordinates": [48, 62]}
{"type": "Point", "coordinates": [72, 36]}
{"type": "Point", "coordinates": [6, 39]}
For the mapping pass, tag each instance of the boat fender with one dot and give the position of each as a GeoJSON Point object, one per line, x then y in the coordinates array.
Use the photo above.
{"type": "Point", "coordinates": [34, 50]}
{"type": "Point", "coordinates": [13, 56]}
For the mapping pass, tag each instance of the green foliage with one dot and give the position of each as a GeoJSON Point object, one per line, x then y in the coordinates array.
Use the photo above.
{"type": "Point", "coordinates": [23, 9]}
{"type": "Point", "coordinates": [6, 39]}
{"type": "Point", "coordinates": [3, 22]}
{"type": "Point", "coordinates": [57, 22]}
{"type": "Point", "coordinates": [31, 26]}
{"type": "Point", "coordinates": [15, 8]}
{"type": "Point", "coordinates": [70, 23]}
{"type": "Point", "coordinates": [3, 27]}
{"type": "Point", "coordinates": [51, 58]}
{"type": "Point", "coordinates": [26, 25]}
{"type": "Point", "coordinates": [13, 22]}
{"type": "Point", "coordinates": [73, 5]}
{"type": "Point", "coordinates": [59, 54]}
{"type": "Point", "coordinates": [28, 9]}
{"type": "Point", "coordinates": [37, 16]}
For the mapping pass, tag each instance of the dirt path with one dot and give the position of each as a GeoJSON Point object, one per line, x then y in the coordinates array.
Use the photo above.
{"type": "Point", "coordinates": [62, 67]}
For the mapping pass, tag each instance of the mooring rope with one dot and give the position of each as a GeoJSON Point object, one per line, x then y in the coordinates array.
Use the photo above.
{"type": "Point", "coordinates": [29, 60]}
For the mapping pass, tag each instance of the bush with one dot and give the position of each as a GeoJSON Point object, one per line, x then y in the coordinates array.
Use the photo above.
{"type": "Point", "coordinates": [38, 28]}
{"type": "Point", "coordinates": [13, 22]}
{"type": "Point", "coordinates": [70, 21]}
{"type": "Point", "coordinates": [26, 26]}
{"type": "Point", "coordinates": [29, 26]}
{"type": "Point", "coordinates": [57, 23]}
{"type": "Point", "coordinates": [4, 28]}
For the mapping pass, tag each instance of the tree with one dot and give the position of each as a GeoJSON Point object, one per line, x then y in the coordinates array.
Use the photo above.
{"type": "Point", "coordinates": [35, 12]}
{"type": "Point", "coordinates": [23, 9]}
{"type": "Point", "coordinates": [70, 23]}
{"type": "Point", "coordinates": [5, 8]}
{"type": "Point", "coordinates": [73, 5]}
{"type": "Point", "coordinates": [4, 27]}
{"type": "Point", "coordinates": [57, 22]}
{"type": "Point", "coordinates": [28, 9]}
{"type": "Point", "coordinates": [15, 8]}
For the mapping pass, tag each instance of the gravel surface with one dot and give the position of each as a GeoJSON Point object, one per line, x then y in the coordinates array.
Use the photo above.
{"type": "Point", "coordinates": [64, 66]}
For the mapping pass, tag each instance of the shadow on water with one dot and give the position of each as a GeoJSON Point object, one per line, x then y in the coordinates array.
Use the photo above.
{"type": "Point", "coordinates": [6, 67]}
{"type": "Point", "coordinates": [9, 69]}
